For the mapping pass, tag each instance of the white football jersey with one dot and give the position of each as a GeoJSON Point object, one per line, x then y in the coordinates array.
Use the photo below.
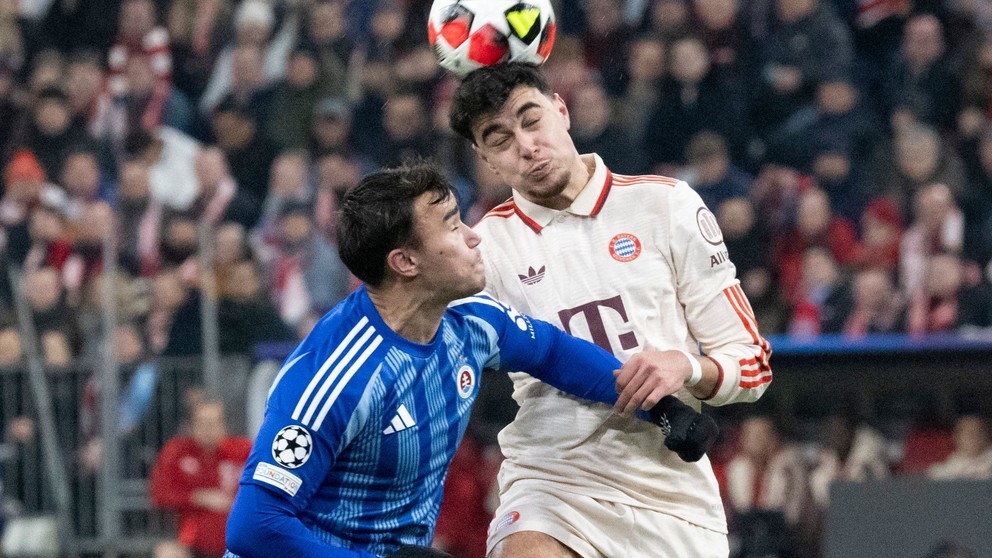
{"type": "Point", "coordinates": [635, 263]}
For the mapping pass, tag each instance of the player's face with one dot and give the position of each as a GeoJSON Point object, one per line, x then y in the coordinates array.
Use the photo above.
{"type": "Point", "coordinates": [527, 144]}
{"type": "Point", "coordinates": [448, 257]}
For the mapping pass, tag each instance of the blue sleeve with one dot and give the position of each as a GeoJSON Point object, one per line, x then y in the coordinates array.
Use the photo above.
{"type": "Point", "coordinates": [526, 344]}
{"type": "Point", "coordinates": [260, 522]}
{"type": "Point", "coordinates": [294, 453]}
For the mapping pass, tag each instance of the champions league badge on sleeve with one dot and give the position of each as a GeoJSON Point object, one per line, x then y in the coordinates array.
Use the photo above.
{"type": "Point", "coordinates": [292, 446]}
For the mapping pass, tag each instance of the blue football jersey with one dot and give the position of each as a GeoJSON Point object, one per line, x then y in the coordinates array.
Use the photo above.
{"type": "Point", "coordinates": [361, 424]}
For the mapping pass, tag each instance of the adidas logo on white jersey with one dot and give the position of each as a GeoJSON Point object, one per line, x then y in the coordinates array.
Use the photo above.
{"type": "Point", "coordinates": [401, 421]}
{"type": "Point", "coordinates": [532, 276]}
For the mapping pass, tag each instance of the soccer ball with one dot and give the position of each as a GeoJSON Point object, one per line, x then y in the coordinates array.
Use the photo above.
{"type": "Point", "coordinates": [292, 447]}
{"type": "Point", "coordinates": [469, 34]}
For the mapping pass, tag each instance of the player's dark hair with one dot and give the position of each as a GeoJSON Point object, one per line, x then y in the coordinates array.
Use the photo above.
{"type": "Point", "coordinates": [376, 216]}
{"type": "Point", "coordinates": [485, 91]}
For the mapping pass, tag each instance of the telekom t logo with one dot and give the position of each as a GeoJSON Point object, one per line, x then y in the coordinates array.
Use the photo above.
{"type": "Point", "coordinates": [594, 319]}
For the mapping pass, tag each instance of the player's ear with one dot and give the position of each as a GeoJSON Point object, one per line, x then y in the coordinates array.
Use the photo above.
{"type": "Point", "coordinates": [483, 157]}
{"type": "Point", "coordinates": [562, 109]}
{"type": "Point", "coordinates": [402, 262]}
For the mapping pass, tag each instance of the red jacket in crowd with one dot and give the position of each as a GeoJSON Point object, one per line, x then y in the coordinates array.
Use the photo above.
{"type": "Point", "coordinates": [183, 468]}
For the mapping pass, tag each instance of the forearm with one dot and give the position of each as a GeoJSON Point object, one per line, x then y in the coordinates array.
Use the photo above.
{"type": "Point", "coordinates": [736, 368]}
{"type": "Point", "coordinates": [579, 368]}
{"type": "Point", "coordinates": [260, 525]}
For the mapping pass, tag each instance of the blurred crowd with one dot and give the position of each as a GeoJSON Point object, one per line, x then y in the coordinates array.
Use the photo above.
{"type": "Point", "coordinates": [845, 147]}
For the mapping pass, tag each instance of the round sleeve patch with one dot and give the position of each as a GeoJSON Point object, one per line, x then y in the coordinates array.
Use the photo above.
{"type": "Point", "coordinates": [292, 446]}
{"type": "Point", "coordinates": [708, 226]}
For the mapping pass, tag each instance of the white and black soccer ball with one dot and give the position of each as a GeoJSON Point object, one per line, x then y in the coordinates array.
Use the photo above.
{"type": "Point", "coordinates": [292, 446]}
{"type": "Point", "coordinates": [469, 34]}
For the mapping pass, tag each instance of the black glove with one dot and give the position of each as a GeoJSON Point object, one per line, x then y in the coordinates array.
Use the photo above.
{"type": "Point", "coordinates": [687, 433]}
{"type": "Point", "coordinates": [414, 551]}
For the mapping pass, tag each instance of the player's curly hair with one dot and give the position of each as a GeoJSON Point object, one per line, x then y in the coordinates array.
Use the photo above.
{"type": "Point", "coordinates": [376, 215]}
{"type": "Point", "coordinates": [485, 91]}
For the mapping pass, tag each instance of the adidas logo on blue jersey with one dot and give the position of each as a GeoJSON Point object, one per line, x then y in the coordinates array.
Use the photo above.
{"type": "Point", "coordinates": [401, 421]}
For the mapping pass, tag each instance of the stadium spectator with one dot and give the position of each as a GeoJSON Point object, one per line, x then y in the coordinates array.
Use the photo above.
{"type": "Point", "coordinates": [872, 304]}
{"type": "Point", "coordinates": [53, 320]}
{"type": "Point", "coordinates": [406, 131]}
{"type": "Point", "coordinates": [725, 34]}
{"type": "Point", "coordinates": [849, 450]}
{"type": "Point", "coordinates": [326, 34]}
{"type": "Point", "coordinates": [691, 100]}
{"type": "Point", "coordinates": [196, 29]}
{"type": "Point", "coordinates": [294, 99]}
{"type": "Point", "coordinates": [923, 85]}
{"type": "Point", "coordinates": [920, 159]}
{"type": "Point", "coordinates": [972, 457]}
{"type": "Point", "coordinates": [711, 173]}
{"type": "Point", "coordinates": [881, 235]}
{"type": "Point", "coordinates": [937, 226]}
{"type": "Point", "coordinates": [948, 299]}
{"type": "Point", "coordinates": [605, 33]}
{"type": "Point", "coordinates": [766, 485]}
{"type": "Point", "coordinates": [255, 26]}
{"type": "Point", "coordinates": [170, 156]}
{"type": "Point", "coordinates": [593, 131]}
{"type": "Point", "coordinates": [331, 128]}
{"type": "Point", "coordinates": [808, 46]}
{"type": "Point", "coordinates": [49, 132]}
{"type": "Point", "coordinates": [816, 225]}
{"type": "Point", "coordinates": [821, 293]}
{"type": "Point", "coordinates": [196, 476]}
{"type": "Point", "coordinates": [306, 276]}
{"type": "Point", "coordinates": [249, 152]}
{"type": "Point", "coordinates": [168, 294]}
{"type": "Point", "coordinates": [976, 202]}
{"type": "Point", "coordinates": [246, 317]}
{"type": "Point", "coordinates": [84, 85]}
{"type": "Point", "coordinates": [646, 67]}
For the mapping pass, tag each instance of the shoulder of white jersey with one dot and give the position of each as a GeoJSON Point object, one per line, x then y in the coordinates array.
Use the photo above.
{"type": "Point", "coordinates": [505, 210]}
{"type": "Point", "coordinates": [335, 362]}
{"type": "Point", "coordinates": [647, 180]}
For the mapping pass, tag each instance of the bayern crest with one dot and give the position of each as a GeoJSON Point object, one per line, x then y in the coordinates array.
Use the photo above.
{"type": "Point", "coordinates": [625, 247]}
{"type": "Point", "coordinates": [292, 446]}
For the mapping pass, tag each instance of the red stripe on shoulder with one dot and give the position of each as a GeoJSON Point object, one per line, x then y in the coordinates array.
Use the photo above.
{"type": "Point", "coordinates": [504, 209]}
{"type": "Point", "coordinates": [628, 180]}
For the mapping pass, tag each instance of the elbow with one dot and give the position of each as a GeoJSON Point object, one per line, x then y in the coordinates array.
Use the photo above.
{"type": "Point", "coordinates": [245, 531]}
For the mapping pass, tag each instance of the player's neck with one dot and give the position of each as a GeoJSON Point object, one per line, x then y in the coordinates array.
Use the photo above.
{"type": "Point", "coordinates": [413, 316]}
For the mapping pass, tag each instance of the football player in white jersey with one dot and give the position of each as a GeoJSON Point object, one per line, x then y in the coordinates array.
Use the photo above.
{"type": "Point", "coordinates": [632, 263]}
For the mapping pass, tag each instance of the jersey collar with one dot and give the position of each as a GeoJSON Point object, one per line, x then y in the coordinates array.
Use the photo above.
{"type": "Point", "coordinates": [588, 203]}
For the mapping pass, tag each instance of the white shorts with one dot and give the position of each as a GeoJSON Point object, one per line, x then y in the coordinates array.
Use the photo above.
{"type": "Point", "coordinates": [600, 529]}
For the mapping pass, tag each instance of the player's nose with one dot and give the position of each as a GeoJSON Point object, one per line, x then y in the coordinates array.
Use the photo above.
{"type": "Point", "coordinates": [527, 145]}
{"type": "Point", "coordinates": [472, 238]}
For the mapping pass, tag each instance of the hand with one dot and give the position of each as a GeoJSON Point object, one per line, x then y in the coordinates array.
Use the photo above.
{"type": "Point", "coordinates": [647, 377]}
{"type": "Point", "coordinates": [213, 499]}
{"type": "Point", "coordinates": [414, 551]}
{"type": "Point", "coordinates": [211, 168]}
{"type": "Point", "coordinates": [688, 433]}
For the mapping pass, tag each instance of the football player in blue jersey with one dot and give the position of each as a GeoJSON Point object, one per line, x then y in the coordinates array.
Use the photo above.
{"type": "Point", "coordinates": [367, 412]}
